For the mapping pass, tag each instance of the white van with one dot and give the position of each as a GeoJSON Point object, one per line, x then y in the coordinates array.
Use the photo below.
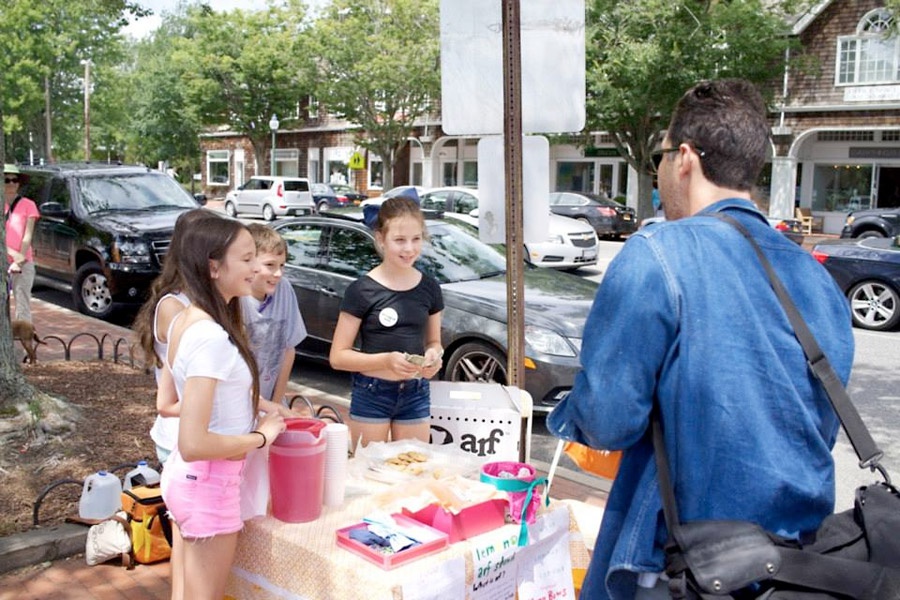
{"type": "Point", "coordinates": [271, 197]}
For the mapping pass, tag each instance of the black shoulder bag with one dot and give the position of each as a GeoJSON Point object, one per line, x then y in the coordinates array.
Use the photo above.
{"type": "Point", "coordinates": [855, 554]}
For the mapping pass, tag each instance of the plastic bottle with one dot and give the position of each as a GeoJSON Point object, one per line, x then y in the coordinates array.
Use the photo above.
{"type": "Point", "coordinates": [101, 496]}
{"type": "Point", "coordinates": [143, 474]}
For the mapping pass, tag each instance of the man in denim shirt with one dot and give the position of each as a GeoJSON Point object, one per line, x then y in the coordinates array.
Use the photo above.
{"type": "Point", "coordinates": [686, 318]}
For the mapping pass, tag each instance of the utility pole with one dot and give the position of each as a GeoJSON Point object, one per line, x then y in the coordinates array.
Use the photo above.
{"type": "Point", "coordinates": [48, 138]}
{"type": "Point", "coordinates": [87, 109]}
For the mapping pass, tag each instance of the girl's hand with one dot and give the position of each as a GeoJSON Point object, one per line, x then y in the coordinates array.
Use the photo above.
{"type": "Point", "coordinates": [400, 366]}
{"type": "Point", "coordinates": [270, 426]}
{"type": "Point", "coordinates": [433, 363]}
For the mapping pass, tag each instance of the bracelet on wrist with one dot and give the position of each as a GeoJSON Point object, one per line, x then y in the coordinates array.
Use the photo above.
{"type": "Point", "coordinates": [265, 440]}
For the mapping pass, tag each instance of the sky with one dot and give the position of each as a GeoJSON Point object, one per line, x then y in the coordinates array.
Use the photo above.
{"type": "Point", "coordinates": [141, 27]}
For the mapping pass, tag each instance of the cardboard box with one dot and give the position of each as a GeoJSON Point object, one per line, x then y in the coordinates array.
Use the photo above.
{"type": "Point", "coordinates": [488, 420]}
{"type": "Point", "coordinates": [432, 541]}
{"type": "Point", "coordinates": [469, 522]}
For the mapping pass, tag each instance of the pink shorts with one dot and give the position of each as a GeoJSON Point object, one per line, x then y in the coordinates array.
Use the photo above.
{"type": "Point", "coordinates": [203, 496]}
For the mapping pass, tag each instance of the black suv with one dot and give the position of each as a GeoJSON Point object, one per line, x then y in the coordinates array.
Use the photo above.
{"type": "Point", "coordinates": [104, 229]}
{"type": "Point", "coordinates": [875, 222]}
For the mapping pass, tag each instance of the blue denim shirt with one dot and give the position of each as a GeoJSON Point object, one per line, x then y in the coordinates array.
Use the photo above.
{"type": "Point", "coordinates": [685, 316]}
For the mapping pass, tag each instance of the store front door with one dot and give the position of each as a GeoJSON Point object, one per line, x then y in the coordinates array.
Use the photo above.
{"type": "Point", "coordinates": [888, 187]}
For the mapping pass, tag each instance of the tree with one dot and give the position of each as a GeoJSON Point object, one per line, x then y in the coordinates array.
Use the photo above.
{"type": "Point", "coordinates": [240, 68]}
{"type": "Point", "coordinates": [44, 49]}
{"type": "Point", "coordinates": [42, 41]}
{"type": "Point", "coordinates": [164, 125]}
{"type": "Point", "coordinates": [378, 66]}
{"type": "Point", "coordinates": [643, 55]}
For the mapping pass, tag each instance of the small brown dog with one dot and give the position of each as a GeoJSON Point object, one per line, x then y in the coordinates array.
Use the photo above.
{"type": "Point", "coordinates": [24, 332]}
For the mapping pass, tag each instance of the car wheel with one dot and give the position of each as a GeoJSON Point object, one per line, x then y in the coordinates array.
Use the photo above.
{"type": "Point", "coordinates": [476, 362]}
{"type": "Point", "coordinates": [268, 213]}
{"type": "Point", "coordinates": [90, 291]}
{"type": "Point", "coordinates": [874, 305]}
{"type": "Point", "coordinates": [872, 233]}
{"type": "Point", "coordinates": [323, 206]}
{"type": "Point", "coordinates": [230, 209]}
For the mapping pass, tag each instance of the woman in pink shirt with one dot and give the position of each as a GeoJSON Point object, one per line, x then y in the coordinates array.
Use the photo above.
{"type": "Point", "coordinates": [21, 214]}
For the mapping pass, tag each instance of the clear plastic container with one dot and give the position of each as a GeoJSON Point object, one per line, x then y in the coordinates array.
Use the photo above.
{"type": "Point", "coordinates": [143, 474]}
{"type": "Point", "coordinates": [101, 496]}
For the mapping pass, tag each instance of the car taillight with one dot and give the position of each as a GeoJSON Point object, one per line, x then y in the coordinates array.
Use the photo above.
{"type": "Point", "coordinates": [819, 256]}
{"type": "Point", "coordinates": [342, 199]}
{"type": "Point", "coordinates": [279, 191]}
{"type": "Point", "coordinates": [606, 211]}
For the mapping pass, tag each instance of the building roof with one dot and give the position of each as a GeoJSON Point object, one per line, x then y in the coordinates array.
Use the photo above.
{"type": "Point", "coordinates": [803, 20]}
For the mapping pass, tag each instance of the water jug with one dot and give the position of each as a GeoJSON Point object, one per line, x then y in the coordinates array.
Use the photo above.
{"type": "Point", "coordinates": [101, 496]}
{"type": "Point", "coordinates": [297, 471]}
{"type": "Point", "coordinates": [143, 474]}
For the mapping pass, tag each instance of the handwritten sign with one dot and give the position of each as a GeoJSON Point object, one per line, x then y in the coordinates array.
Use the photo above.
{"type": "Point", "coordinates": [544, 566]}
{"type": "Point", "coordinates": [494, 561]}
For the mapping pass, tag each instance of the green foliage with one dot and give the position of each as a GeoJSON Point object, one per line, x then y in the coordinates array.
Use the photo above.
{"type": "Point", "coordinates": [643, 55]}
{"type": "Point", "coordinates": [240, 67]}
{"type": "Point", "coordinates": [378, 66]}
{"type": "Point", "coordinates": [46, 41]}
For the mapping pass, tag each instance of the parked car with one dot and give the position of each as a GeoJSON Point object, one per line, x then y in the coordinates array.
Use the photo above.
{"type": "Point", "coordinates": [400, 190]}
{"type": "Point", "coordinates": [607, 217]}
{"type": "Point", "coordinates": [334, 195]}
{"type": "Point", "coordinates": [104, 229]}
{"type": "Point", "coordinates": [868, 272]}
{"type": "Point", "coordinates": [570, 244]}
{"type": "Point", "coordinates": [791, 228]}
{"type": "Point", "coordinates": [327, 252]}
{"type": "Point", "coordinates": [876, 222]}
{"type": "Point", "coordinates": [271, 197]}
{"type": "Point", "coordinates": [453, 199]}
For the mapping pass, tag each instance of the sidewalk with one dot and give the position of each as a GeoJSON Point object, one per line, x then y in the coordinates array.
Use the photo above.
{"type": "Point", "coordinates": [72, 579]}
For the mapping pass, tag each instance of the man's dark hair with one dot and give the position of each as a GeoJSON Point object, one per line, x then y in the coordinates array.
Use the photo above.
{"type": "Point", "coordinates": [725, 121]}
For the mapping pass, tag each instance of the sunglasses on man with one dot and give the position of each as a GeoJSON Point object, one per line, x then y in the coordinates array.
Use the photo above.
{"type": "Point", "coordinates": [11, 180]}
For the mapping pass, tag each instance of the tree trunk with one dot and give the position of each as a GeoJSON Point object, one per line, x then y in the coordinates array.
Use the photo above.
{"type": "Point", "coordinates": [14, 389]}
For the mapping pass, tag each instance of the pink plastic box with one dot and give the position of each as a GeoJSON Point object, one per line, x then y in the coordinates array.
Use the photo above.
{"type": "Point", "coordinates": [432, 541]}
{"type": "Point", "coordinates": [469, 522]}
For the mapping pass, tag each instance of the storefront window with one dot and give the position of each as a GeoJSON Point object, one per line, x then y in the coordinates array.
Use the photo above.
{"type": "Point", "coordinates": [287, 162]}
{"type": "Point", "coordinates": [376, 172]}
{"type": "Point", "coordinates": [470, 173]}
{"type": "Point", "coordinates": [217, 167]}
{"type": "Point", "coordinates": [338, 172]}
{"type": "Point", "coordinates": [575, 176]}
{"type": "Point", "coordinates": [842, 188]}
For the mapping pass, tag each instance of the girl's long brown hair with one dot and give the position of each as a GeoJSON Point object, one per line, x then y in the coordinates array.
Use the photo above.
{"type": "Point", "coordinates": [167, 282]}
{"type": "Point", "coordinates": [206, 243]}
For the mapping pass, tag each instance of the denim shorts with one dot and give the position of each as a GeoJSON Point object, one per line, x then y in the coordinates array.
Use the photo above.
{"type": "Point", "coordinates": [374, 400]}
{"type": "Point", "coordinates": [203, 496]}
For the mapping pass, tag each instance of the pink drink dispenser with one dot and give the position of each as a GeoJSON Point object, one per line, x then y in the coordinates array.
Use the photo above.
{"type": "Point", "coordinates": [297, 471]}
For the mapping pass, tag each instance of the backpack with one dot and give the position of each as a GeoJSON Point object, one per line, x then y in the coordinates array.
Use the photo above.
{"type": "Point", "coordinates": [151, 532]}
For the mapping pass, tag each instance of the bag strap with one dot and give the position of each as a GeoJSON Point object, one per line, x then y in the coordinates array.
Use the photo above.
{"type": "Point", "coordinates": [12, 206]}
{"type": "Point", "coordinates": [797, 567]}
{"type": "Point", "coordinates": [868, 453]}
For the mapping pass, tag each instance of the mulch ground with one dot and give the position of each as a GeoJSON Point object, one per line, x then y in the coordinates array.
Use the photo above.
{"type": "Point", "coordinates": [115, 409]}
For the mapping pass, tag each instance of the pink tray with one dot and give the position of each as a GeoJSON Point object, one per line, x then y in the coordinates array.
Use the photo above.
{"type": "Point", "coordinates": [435, 541]}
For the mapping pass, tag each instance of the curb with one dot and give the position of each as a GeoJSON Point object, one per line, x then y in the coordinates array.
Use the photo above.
{"type": "Point", "coordinates": [41, 545]}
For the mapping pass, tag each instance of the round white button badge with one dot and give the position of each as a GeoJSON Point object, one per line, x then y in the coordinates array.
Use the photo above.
{"type": "Point", "coordinates": [388, 317]}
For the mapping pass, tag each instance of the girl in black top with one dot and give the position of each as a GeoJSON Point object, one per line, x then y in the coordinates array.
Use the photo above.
{"type": "Point", "coordinates": [396, 311]}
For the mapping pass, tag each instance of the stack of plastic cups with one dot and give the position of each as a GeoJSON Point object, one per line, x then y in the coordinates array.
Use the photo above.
{"type": "Point", "coordinates": [337, 444]}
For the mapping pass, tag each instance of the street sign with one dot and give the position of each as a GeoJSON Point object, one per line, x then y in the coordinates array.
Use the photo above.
{"type": "Point", "coordinates": [552, 62]}
{"type": "Point", "coordinates": [357, 161]}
